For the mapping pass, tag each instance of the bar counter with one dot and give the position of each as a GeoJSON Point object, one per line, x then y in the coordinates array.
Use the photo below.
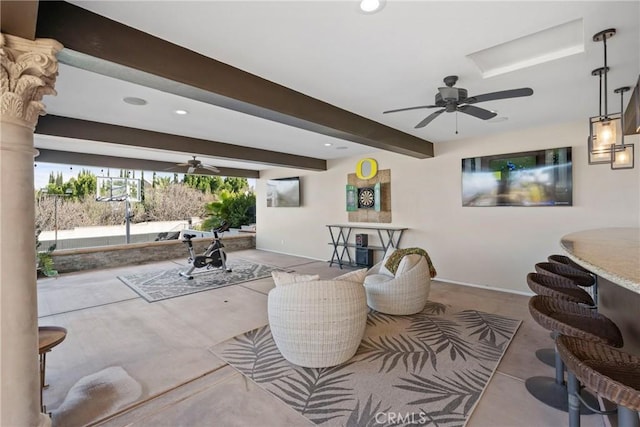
{"type": "Point", "coordinates": [613, 254]}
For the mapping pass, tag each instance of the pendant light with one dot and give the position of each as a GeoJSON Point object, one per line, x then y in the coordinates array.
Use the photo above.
{"type": "Point", "coordinates": [605, 130]}
{"type": "Point", "coordinates": [622, 155]}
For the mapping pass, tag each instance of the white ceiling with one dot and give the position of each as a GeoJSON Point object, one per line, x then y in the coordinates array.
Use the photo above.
{"type": "Point", "coordinates": [362, 63]}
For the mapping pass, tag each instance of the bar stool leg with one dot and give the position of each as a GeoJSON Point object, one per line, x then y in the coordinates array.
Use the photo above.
{"type": "Point", "coordinates": [559, 369]}
{"type": "Point", "coordinates": [553, 391]}
{"type": "Point", "coordinates": [43, 361]}
{"type": "Point", "coordinates": [627, 417]}
{"type": "Point", "coordinates": [574, 403]}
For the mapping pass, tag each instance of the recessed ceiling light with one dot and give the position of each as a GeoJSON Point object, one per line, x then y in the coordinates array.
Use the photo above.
{"type": "Point", "coordinates": [134, 101]}
{"type": "Point", "coordinates": [328, 144]}
{"type": "Point", "coordinates": [371, 6]}
{"type": "Point", "coordinates": [181, 112]}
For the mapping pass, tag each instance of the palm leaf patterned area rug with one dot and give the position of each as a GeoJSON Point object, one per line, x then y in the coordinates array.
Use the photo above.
{"type": "Point", "coordinates": [426, 369]}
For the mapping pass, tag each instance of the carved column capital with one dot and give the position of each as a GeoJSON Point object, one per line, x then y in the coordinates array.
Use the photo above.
{"type": "Point", "coordinates": [28, 71]}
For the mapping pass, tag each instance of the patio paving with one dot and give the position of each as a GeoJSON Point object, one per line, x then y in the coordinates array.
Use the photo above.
{"type": "Point", "coordinates": [163, 347]}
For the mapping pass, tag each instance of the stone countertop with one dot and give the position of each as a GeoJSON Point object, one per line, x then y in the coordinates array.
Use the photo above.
{"type": "Point", "coordinates": [612, 253]}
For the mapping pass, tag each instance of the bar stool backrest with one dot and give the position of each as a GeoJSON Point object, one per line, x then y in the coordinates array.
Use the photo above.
{"type": "Point", "coordinates": [568, 318]}
{"type": "Point", "coordinates": [553, 269]}
{"type": "Point", "coordinates": [612, 373]}
{"type": "Point", "coordinates": [558, 287]}
{"type": "Point", "coordinates": [562, 259]}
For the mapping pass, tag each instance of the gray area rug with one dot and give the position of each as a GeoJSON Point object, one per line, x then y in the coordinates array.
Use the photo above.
{"type": "Point", "coordinates": [427, 369]}
{"type": "Point", "coordinates": [157, 286]}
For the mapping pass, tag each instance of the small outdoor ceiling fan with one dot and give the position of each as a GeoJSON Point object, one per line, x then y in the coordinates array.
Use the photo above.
{"type": "Point", "coordinates": [194, 165]}
{"type": "Point", "coordinates": [451, 99]}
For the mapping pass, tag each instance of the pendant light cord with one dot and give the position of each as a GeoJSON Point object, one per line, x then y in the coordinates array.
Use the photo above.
{"type": "Point", "coordinates": [600, 97]}
{"type": "Point", "coordinates": [622, 116]}
{"type": "Point", "coordinates": [456, 122]}
{"type": "Point", "coordinates": [604, 40]}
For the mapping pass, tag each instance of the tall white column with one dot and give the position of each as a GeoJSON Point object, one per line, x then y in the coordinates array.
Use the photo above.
{"type": "Point", "coordinates": [27, 72]}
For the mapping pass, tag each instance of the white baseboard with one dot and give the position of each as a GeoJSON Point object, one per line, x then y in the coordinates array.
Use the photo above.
{"type": "Point", "coordinates": [454, 282]}
{"type": "Point", "coordinates": [491, 288]}
{"type": "Point", "coordinates": [286, 253]}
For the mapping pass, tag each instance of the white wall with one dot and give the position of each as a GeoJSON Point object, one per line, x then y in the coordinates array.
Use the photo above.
{"type": "Point", "coordinates": [492, 246]}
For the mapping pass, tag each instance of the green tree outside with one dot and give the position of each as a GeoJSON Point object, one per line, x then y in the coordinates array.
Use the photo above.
{"type": "Point", "coordinates": [233, 208]}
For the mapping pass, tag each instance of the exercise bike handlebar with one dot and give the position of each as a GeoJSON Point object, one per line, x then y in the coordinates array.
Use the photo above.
{"type": "Point", "coordinates": [224, 226]}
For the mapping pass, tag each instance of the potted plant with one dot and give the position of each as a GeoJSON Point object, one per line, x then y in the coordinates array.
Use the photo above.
{"type": "Point", "coordinates": [44, 260]}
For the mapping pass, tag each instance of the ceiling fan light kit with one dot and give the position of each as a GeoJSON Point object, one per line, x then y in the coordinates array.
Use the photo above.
{"type": "Point", "coordinates": [606, 135]}
{"type": "Point", "coordinates": [453, 99]}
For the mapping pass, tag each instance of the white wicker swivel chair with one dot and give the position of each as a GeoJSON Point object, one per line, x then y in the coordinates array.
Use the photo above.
{"type": "Point", "coordinates": [318, 323]}
{"type": "Point", "coordinates": [404, 293]}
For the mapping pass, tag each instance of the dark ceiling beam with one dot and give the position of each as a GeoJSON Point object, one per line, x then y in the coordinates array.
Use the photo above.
{"type": "Point", "coordinates": [82, 159]}
{"type": "Point", "coordinates": [95, 36]}
{"type": "Point", "coordinates": [19, 18]}
{"type": "Point", "coordinates": [94, 131]}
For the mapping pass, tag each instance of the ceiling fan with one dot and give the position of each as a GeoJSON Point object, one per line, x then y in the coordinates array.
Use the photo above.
{"type": "Point", "coordinates": [452, 99]}
{"type": "Point", "coordinates": [195, 164]}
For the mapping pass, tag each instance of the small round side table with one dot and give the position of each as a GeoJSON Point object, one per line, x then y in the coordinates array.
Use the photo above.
{"type": "Point", "coordinates": [48, 337]}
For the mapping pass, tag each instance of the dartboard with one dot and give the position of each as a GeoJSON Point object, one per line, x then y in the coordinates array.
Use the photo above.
{"type": "Point", "coordinates": [366, 197]}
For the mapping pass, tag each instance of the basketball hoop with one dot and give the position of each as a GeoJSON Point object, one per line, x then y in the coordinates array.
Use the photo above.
{"type": "Point", "coordinates": [115, 189]}
{"type": "Point", "coordinates": [112, 189]}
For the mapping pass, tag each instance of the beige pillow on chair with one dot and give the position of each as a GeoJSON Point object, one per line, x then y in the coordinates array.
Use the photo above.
{"type": "Point", "coordinates": [407, 263]}
{"type": "Point", "coordinates": [353, 276]}
{"type": "Point", "coordinates": [387, 255]}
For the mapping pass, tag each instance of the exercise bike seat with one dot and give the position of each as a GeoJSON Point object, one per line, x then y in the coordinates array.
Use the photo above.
{"type": "Point", "coordinates": [188, 236]}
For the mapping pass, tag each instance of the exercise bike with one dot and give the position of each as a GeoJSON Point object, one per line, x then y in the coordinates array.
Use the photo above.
{"type": "Point", "coordinates": [213, 257]}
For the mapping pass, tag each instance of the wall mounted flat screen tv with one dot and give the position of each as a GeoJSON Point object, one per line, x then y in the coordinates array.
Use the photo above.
{"type": "Point", "coordinates": [530, 178]}
{"type": "Point", "coordinates": [284, 192]}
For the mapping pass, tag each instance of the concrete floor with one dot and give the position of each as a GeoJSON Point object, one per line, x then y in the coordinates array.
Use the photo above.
{"type": "Point", "coordinates": [164, 345]}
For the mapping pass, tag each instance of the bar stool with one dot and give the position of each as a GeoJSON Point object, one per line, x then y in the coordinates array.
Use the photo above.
{"type": "Point", "coordinates": [567, 318]}
{"type": "Point", "coordinates": [582, 279]}
{"type": "Point", "coordinates": [612, 373]}
{"type": "Point", "coordinates": [558, 287]}
{"type": "Point", "coordinates": [561, 288]}
{"type": "Point", "coordinates": [562, 259]}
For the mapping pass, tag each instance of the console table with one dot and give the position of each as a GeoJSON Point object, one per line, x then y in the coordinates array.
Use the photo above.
{"type": "Point", "coordinates": [340, 233]}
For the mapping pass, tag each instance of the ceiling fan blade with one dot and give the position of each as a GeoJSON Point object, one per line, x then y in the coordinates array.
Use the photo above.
{"type": "Point", "coordinates": [480, 113]}
{"type": "Point", "coordinates": [182, 164]}
{"type": "Point", "coordinates": [410, 108]}
{"type": "Point", "coordinates": [511, 93]}
{"type": "Point", "coordinates": [429, 118]}
{"type": "Point", "coordinates": [210, 168]}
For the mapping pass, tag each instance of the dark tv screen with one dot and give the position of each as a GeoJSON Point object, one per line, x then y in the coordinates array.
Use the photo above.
{"type": "Point", "coordinates": [531, 178]}
{"type": "Point", "coordinates": [283, 192]}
